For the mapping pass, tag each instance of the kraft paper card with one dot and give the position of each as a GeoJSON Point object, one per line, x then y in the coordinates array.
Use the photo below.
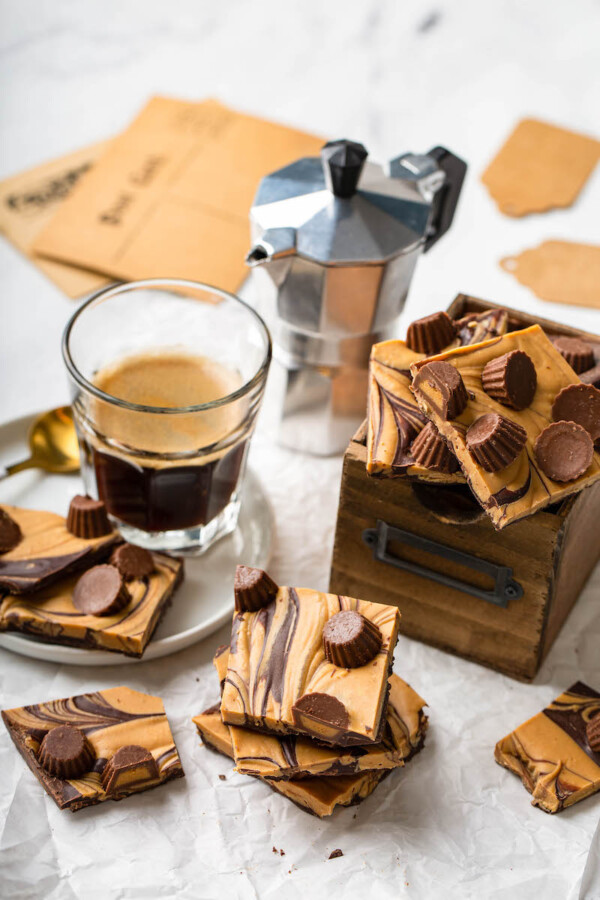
{"type": "Point", "coordinates": [29, 201]}
{"type": "Point", "coordinates": [171, 195]}
{"type": "Point", "coordinates": [540, 167]}
{"type": "Point", "coordinates": [559, 271]}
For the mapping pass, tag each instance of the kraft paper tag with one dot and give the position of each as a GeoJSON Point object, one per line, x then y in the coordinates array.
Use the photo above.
{"type": "Point", "coordinates": [28, 201]}
{"type": "Point", "coordinates": [559, 271]}
{"type": "Point", "coordinates": [171, 196]}
{"type": "Point", "coordinates": [540, 167]}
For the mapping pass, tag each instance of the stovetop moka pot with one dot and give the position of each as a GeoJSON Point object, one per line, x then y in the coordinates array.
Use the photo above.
{"type": "Point", "coordinates": [336, 241]}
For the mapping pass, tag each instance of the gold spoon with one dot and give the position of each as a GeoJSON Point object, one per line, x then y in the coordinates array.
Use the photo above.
{"type": "Point", "coordinates": [53, 444]}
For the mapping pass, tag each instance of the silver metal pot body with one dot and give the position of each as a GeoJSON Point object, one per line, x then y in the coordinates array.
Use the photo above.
{"type": "Point", "coordinates": [335, 244]}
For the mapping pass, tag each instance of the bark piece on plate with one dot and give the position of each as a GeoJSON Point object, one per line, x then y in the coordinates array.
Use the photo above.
{"type": "Point", "coordinates": [51, 616]}
{"type": "Point", "coordinates": [47, 551]}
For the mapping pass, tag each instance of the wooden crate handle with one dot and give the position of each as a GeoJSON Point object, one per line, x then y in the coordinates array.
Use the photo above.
{"type": "Point", "coordinates": [505, 587]}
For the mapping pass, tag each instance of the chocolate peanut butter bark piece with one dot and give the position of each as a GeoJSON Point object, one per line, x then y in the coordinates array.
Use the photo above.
{"type": "Point", "coordinates": [319, 796]}
{"type": "Point", "coordinates": [47, 550]}
{"type": "Point", "coordinates": [96, 620]}
{"type": "Point", "coordinates": [552, 753]}
{"type": "Point", "coordinates": [477, 327]}
{"type": "Point", "coordinates": [76, 747]}
{"type": "Point", "coordinates": [394, 418]}
{"type": "Point", "coordinates": [279, 680]}
{"type": "Point", "coordinates": [292, 756]}
{"type": "Point", "coordinates": [522, 487]}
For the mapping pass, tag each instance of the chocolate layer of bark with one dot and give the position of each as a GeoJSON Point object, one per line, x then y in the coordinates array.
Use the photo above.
{"type": "Point", "coordinates": [521, 488]}
{"type": "Point", "coordinates": [277, 659]}
{"type": "Point", "coordinates": [551, 752]}
{"type": "Point", "coordinates": [47, 551]}
{"type": "Point", "coordinates": [51, 616]}
{"type": "Point", "coordinates": [292, 756]}
{"type": "Point", "coordinates": [319, 796]}
{"type": "Point", "coordinates": [109, 720]}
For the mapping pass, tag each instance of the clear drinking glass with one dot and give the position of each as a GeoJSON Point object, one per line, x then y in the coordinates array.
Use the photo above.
{"type": "Point", "coordinates": [167, 377]}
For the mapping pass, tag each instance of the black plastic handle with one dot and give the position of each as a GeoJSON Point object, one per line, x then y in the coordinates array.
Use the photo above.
{"type": "Point", "coordinates": [343, 163]}
{"type": "Point", "coordinates": [446, 199]}
{"type": "Point", "coordinates": [505, 587]}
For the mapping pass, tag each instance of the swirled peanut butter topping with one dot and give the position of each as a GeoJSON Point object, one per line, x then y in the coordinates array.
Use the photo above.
{"type": "Point", "coordinates": [277, 667]}
{"type": "Point", "coordinates": [47, 550]}
{"type": "Point", "coordinates": [394, 418]}
{"type": "Point", "coordinates": [551, 752]}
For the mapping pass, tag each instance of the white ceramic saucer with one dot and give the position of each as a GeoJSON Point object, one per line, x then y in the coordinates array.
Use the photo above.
{"type": "Point", "coordinates": [204, 601]}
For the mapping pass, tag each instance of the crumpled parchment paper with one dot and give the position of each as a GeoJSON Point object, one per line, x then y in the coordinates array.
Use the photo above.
{"type": "Point", "coordinates": [453, 824]}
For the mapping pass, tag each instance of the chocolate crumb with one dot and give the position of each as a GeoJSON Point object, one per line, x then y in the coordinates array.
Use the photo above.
{"type": "Point", "coordinates": [335, 853]}
{"type": "Point", "coordinates": [282, 852]}
{"type": "Point", "coordinates": [222, 777]}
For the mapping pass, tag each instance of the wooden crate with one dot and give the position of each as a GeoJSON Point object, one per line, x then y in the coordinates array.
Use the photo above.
{"type": "Point", "coordinates": [497, 598]}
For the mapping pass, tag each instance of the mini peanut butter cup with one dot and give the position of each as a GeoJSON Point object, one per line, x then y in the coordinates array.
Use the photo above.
{"type": "Point", "coordinates": [87, 518]}
{"type": "Point", "coordinates": [564, 451]}
{"type": "Point", "coordinates": [321, 708]}
{"type": "Point", "coordinates": [579, 354]}
{"type": "Point", "coordinates": [10, 533]}
{"type": "Point", "coordinates": [429, 449]}
{"type": "Point", "coordinates": [101, 591]}
{"type": "Point", "coordinates": [592, 376]}
{"type": "Point", "coordinates": [65, 752]}
{"type": "Point", "coordinates": [495, 442]}
{"type": "Point", "coordinates": [592, 732]}
{"type": "Point", "coordinates": [132, 562]}
{"type": "Point", "coordinates": [253, 589]}
{"type": "Point", "coordinates": [579, 403]}
{"type": "Point", "coordinates": [431, 334]}
{"type": "Point", "coordinates": [451, 393]}
{"type": "Point", "coordinates": [351, 640]}
{"type": "Point", "coordinates": [128, 768]}
{"type": "Point", "coordinates": [510, 379]}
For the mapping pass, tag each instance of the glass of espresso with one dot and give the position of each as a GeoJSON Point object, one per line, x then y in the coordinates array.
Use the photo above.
{"type": "Point", "coordinates": [167, 377]}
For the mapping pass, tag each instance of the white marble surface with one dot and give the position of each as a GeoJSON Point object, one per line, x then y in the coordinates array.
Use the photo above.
{"type": "Point", "coordinates": [398, 76]}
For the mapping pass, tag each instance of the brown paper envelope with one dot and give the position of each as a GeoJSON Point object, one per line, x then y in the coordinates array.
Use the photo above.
{"type": "Point", "coordinates": [559, 271]}
{"type": "Point", "coordinates": [540, 167]}
{"type": "Point", "coordinates": [171, 195]}
{"type": "Point", "coordinates": [28, 201]}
